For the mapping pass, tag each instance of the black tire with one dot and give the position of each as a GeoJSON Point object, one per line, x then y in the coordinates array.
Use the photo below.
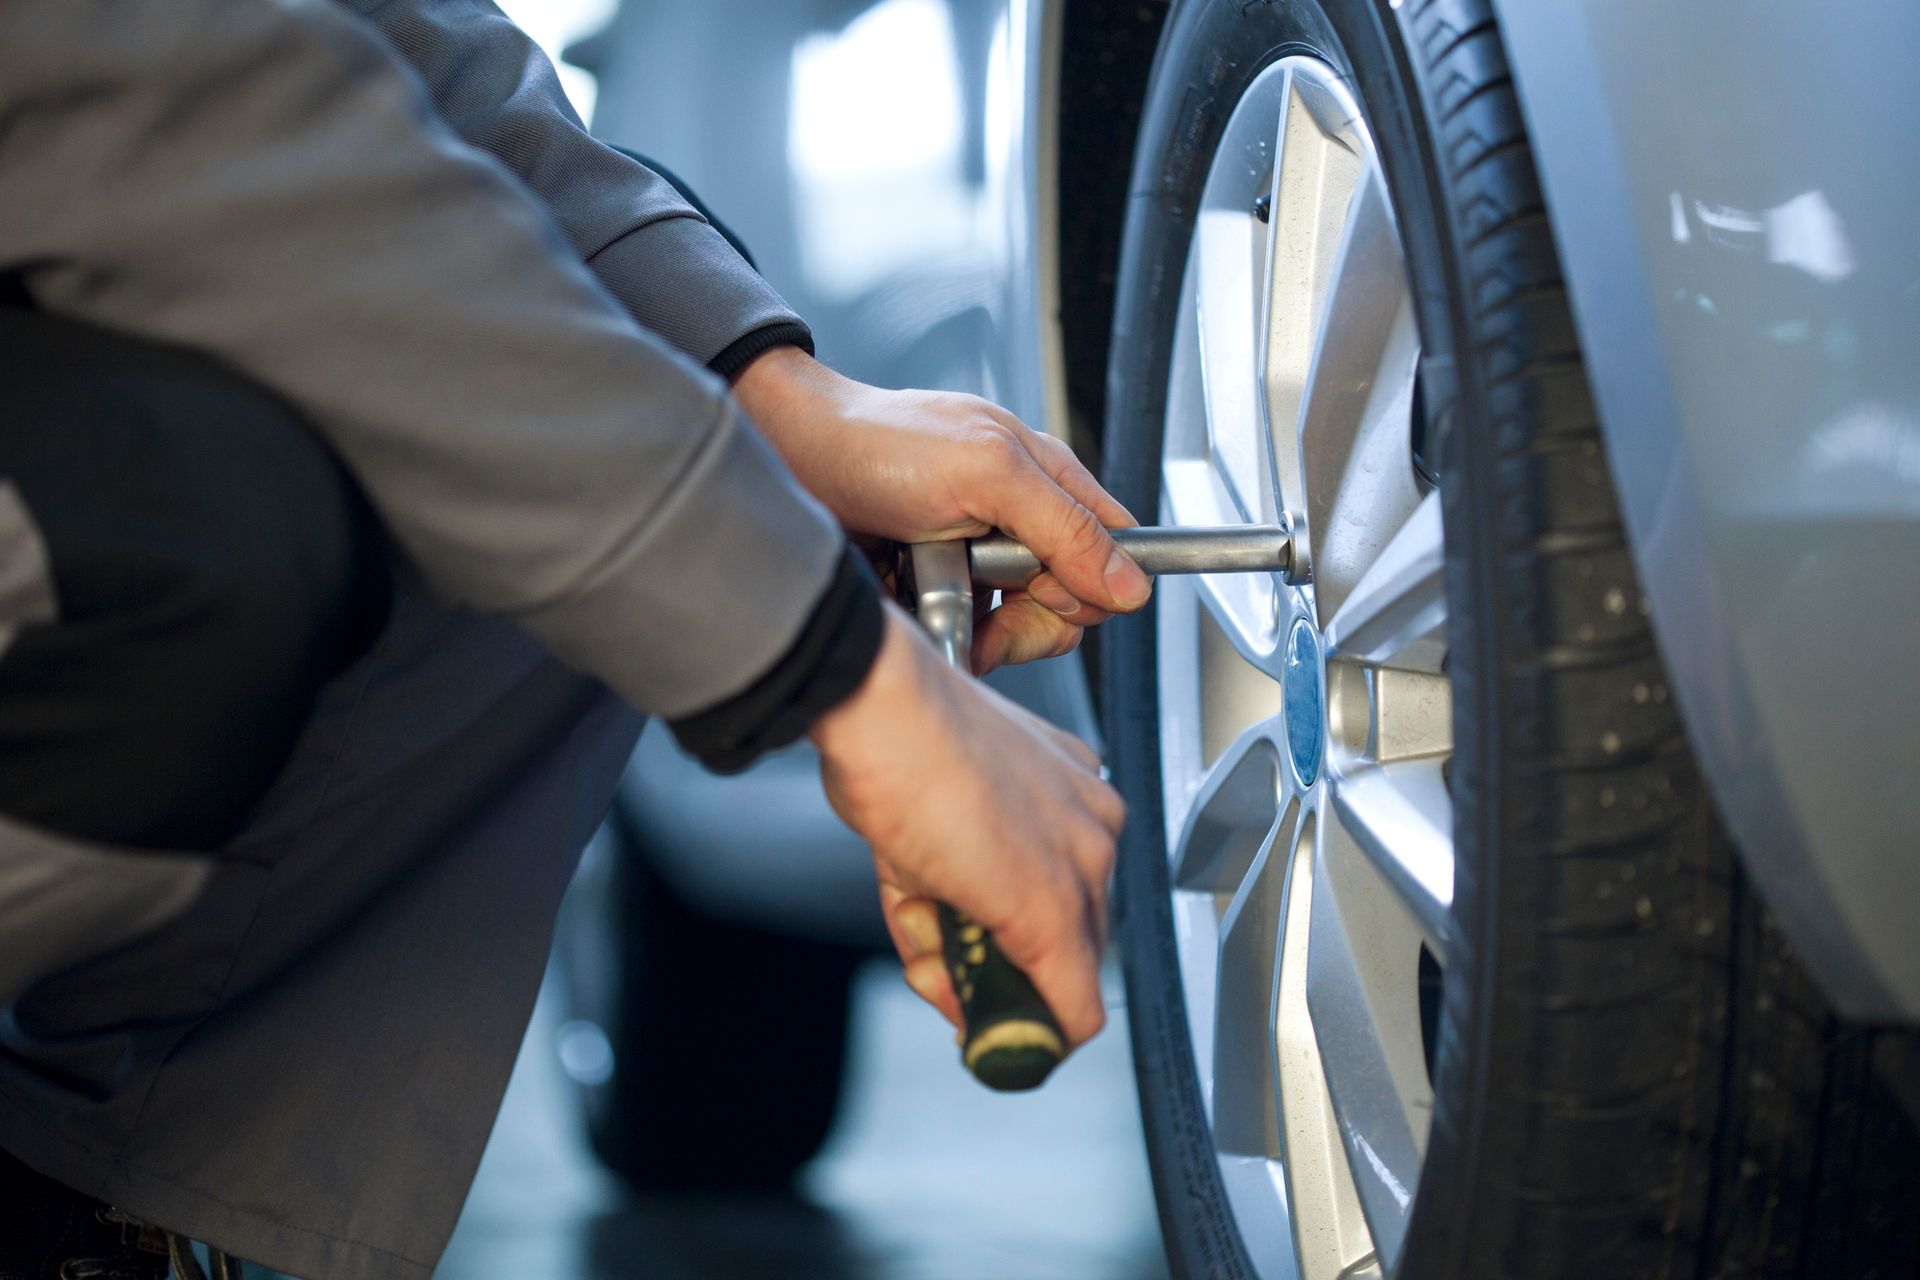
{"type": "Point", "coordinates": [1640, 1084]}
{"type": "Point", "coordinates": [719, 1047]}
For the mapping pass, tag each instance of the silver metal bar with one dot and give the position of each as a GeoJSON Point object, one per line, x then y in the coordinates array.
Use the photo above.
{"type": "Point", "coordinates": [943, 598]}
{"type": "Point", "coordinates": [999, 561]}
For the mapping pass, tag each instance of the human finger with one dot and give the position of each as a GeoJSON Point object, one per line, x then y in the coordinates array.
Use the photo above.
{"type": "Point", "coordinates": [1103, 801]}
{"type": "Point", "coordinates": [912, 922]}
{"type": "Point", "coordinates": [895, 883]}
{"type": "Point", "coordinates": [914, 925]}
{"type": "Point", "coordinates": [1021, 630]}
{"type": "Point", "coordinates": [1057, 458]}
{"type": "Point", "coordinates": [1056, 943]}
{"type": "Point", "coordinates": [1047, 590]}
{"type": "Point", "coordinates": [1067, 537]}
{"type": "Point", "coordinates": [928, 977]}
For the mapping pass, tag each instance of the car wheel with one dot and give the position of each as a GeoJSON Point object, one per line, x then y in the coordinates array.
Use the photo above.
{"type": "Point", "coordinates": [1438, 963]}
{"type": "Point", "coordinates": [708, 1053]}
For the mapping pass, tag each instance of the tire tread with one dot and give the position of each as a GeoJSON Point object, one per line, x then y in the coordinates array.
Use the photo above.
{"type": "Point", "coordinates": [1623, 898]}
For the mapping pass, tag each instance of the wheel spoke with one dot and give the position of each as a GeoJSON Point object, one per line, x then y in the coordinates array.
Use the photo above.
{"type": "Point", "coordinates": [1320, 1187]}
{"type": "Point", "coordinates": [1358, 484]}
{"type": "Point", "coordinates": [1217, 354]}
{"type": "Point", "coordinates": [1315, 172]}
{"type": "Point", "coordinates": [1246, 1099]}
{"type": "Point", "coordinates": [1228, 246]}
{"type": "Point", "coordinates": [1363, 956]}
{"type": "Point", "coordinates": [1196, 488]}
{"type": "Point", "coordinates": [1231, 817]}
{"type": "Point", "coordinates": [1396, 614]}
{"type": "Point", "coordinates": [1183, 754]}
{"type": "Point", "coordinates": [1212, 702]}
{"type": "Point", "coordinates": [1399, 816]}
{"type": "Point", "coordinates": [1231, 821]}
{"type": "Point", "coordinates": [1243, 607]}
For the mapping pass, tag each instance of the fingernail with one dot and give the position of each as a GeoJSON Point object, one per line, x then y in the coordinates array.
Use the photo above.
{"type": "Point", "coordinates": [919, 925]}
{"type": "Point", "coordinates": [1128, 584]}
{"type": "Point", "coordinates": [1055, 597]}
{"type": "Point", "coordinates": [924, 975]}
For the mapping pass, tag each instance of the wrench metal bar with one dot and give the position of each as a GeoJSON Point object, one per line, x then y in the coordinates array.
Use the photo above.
{"type": "Point", "coordinates": [1000, 561]}
{"type": "Point", "coordinates": [944, 598]}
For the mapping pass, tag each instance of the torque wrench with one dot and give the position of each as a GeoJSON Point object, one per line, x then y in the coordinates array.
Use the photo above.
{"type": "Point", "coordinates": [1010, 1040]}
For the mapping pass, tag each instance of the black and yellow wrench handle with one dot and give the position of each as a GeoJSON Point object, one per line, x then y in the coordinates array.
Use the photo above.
{"type": "Point", "coordinates": [1009, 1039]}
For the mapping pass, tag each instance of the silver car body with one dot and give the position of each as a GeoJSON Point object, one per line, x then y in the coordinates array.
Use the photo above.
{"type": "Point", "coordinates": [1735, 196]}
{"type": "Point", "coordinates": [1735, 200]}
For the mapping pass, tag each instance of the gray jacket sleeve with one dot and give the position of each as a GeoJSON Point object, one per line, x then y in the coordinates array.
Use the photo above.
{"type": "Point", "coordinates": [672, 271]}
{"type": "Point", "coordinates": [261, 180]}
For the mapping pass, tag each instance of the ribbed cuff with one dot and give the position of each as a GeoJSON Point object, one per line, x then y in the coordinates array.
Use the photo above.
{"type": "Point", "coordinates": [732, 362]}
{"type": "Point", "coordinates": [826, 664]}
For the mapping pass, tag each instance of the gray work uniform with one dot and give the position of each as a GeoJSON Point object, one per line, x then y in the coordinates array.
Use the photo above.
{"type": "Point", "coordinates": [294, 1046]}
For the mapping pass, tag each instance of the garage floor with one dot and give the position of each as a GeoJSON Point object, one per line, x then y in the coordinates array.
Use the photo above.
{"type": "Point", "coordinates": [929, 1178]}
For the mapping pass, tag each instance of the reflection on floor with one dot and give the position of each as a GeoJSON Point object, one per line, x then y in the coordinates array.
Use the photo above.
{"type": "Point", "coordinates": [929, 1178]}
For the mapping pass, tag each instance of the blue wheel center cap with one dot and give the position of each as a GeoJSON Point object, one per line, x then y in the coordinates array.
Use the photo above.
{"type": "Point", "coordinates": [1300, 687]}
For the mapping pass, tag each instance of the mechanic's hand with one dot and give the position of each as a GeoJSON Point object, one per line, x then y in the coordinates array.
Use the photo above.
{"type": "Point", "coordinates": [968, 799]}
{"type": "Point", "coordinates": [915, 466]}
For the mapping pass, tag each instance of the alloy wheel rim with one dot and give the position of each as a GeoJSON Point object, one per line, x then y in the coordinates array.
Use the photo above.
{"type": "Point", "coordinates": [1306, 729]}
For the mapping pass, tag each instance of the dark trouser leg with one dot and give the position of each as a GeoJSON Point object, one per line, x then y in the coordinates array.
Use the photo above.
{"type": "Point", "coordinates": [212, 567]}
{"type": "Point", "coordinates": [188, 566]}
{"type": "Point", "coordinates": [300, 1061]}
{"type": "Point", "coordinates": [50, 1232]}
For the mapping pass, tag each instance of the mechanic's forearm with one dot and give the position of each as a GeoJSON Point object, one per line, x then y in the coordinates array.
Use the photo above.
{"type": "Point", "coordinates": [259, 179]}
{"type": "Point", "coordinates": [659, 258]}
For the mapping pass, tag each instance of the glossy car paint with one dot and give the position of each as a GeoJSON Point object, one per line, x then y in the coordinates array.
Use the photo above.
{"type": "Point", "coordinates": [1735, 196]}
{"type": "Point", "coordinates": [881, 160]}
